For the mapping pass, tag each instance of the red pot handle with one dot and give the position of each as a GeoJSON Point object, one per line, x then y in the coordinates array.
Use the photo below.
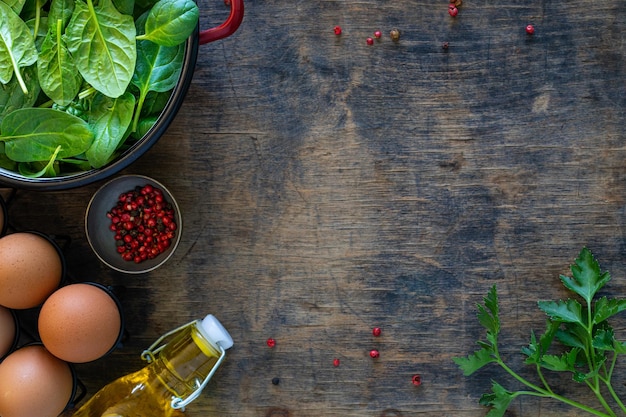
{"type": "Point", "coordinates": [227, 28]}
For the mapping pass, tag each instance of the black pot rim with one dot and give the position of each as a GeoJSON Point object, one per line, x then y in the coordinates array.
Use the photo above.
{"type": "Point", "coordinates": [79, 179]}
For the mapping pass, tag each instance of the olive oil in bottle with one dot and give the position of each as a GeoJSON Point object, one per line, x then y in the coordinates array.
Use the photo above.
{"type": "Point", "coordinates": [177, 372]}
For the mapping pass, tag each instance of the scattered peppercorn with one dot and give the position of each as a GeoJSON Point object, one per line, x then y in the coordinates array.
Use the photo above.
{"type": "Point", "coordinates": [445, 45]}
{"type": "Point", "coordinates": [376, 331]}
{"type": "Point", "coordinates": [395, 35]}
{"type": "Point", "coordinates": [271, 342]}
{"type": "Point", "coordinates": [452, 10]}
{"type": "Point", "coordinates": [378, 34]}
{"type": "Point", "coordinates": [337, 30]}
{"type": "Point", "coordinates": [143, 222]}
{"type": "Point", "coordinates": [530, 29]}
{"type": "Point", "coordinates": [374, 353]}
{"type": "Point", "coordinates": [370, 41]}
{"type": "Point", "coordinates": [336, 362]}
{"type": "Point", "coordinates": [416, 380]}
{"type": "Point", "coordinates": [275, 381]}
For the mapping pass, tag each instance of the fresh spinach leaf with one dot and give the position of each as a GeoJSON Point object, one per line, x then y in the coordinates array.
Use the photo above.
{"type": "Point", "coordinates": [17, 47]}
{"type": "Point", "coordinates": [170, 22]}
{"type": "Point", "coordinates": [125, 6]}
{"type": "Point", "coordinates": [11, 95]}
{"type": "Point", "coordinates": [158, 69]}
{"type": "Point", "coordinates": [40, 169]}
{"type": "Point", "coordinates": [58, 76]}
{"type": "Point", "coordinates": [16, 5]}
{"type": "Point", "coordinates": [102, 42]}
{"type": "Point", "coordinates": [109, 120]}
{"type": "Point", "coordinates": [61, 10]}
{"type": "Point", "coordinates": [33, 134]}
{"type": "Point", "coordinates": [5, 162]}
{"type": "Point", "coordinates": [155, 103]}
{"type": "Point", "coordinates": [144, 126]}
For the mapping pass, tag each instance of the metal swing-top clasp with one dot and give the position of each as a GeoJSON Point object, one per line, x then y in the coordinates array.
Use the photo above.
{"type": "Point", "coordinates": [149, 355]}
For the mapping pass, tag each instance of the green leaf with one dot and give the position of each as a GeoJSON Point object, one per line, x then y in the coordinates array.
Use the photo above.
{"type": "Point", "coordinates": [605, 308]}
{"type": "Point", "coordinates": [498, 400]}
{"type": "Point", "coordinates": [33, 134]}
{"type": "Point", "coordinates": [61, 10]}
{"type": "Point", "coordinates": [102, 42]}
{"type": "Point", "coordinates": [158, 69]}
{"type": "Point", "coordinates": [47, 170]}
{"type": "Point", "coordinates": [58, 76]}
{"type": "Point", "coordinates": [586, 278]}
{"type": "Point", "coordinates": [11, 95]}
{"type": "Point", "coordinates": [109, 119]}
{"type": "Point", "coordinates": [536, 350]}
{"type": "Point", "coordinates": [604, 340]}
{"type": "Point", "coordinates": [475, 361]}
{"type": "Point", "coordinates": [17, 46]}
{"type": "Point", "coordinates": [564, 362]}
{"type": "Point", "coordinates": [125, 6]}
{"type": "Point", "coordinates": [488, 315]}
{"type": "Point", "coordinates": [171, 22]}
{"type": "Point", "coordinates": [16, 5]}
{"type": "Point", "coordinates": [569, 311]}
{"type": "Point", "coordinates": [573, 335]}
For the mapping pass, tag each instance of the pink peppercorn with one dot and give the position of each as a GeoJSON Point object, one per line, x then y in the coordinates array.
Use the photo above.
{"type": "Point", "coordinates": [376, 331]}
{"type": "Point", "coordinates": [271, 342]}
{"type": "Point", "coordinates": [336, 362]}
{"type": "Point", "coordinates": [452, 10]}
{"type": "Point", "coordinates": [374, 353]}
{"type": "Point", "coordinates": [530, 29]}
{"type": "Point", "coordinates": [370, 41]}
{"type": "Point", "coordinates": [378, 34]}
{"type": "Point", "coordinates": [416, 380]}
{"type": "Point", "coordinates": [337, 30]}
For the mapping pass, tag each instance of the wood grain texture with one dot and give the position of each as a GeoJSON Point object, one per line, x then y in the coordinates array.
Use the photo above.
{"type": "Point", "coordinates": [328, 187]}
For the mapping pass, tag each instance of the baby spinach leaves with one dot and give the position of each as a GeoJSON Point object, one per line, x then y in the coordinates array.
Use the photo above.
{"type": "Point", "coordinates": [33, 134]}
{"type": "Point", "coordinates": [97, 84]}
{"type": "Point", "coordinates": [58, 76]}
{"type": "Point", "coordinates": [158, 69]}
{"type": "Point", "coordinates": [170, 22]}
{"type": "Point", "coordinates": [102, 42]}
{"type": "Point", "coordinates": [17, 47]}
{"type": "Point", "coordinates": [110, 118]}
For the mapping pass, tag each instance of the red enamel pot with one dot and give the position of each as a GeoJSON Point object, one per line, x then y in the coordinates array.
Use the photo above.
{"type": "Point", "coordinates": [139, 147]}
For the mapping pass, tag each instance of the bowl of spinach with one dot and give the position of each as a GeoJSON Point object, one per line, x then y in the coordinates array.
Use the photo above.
{"type": "Point", "coordinates": [88, 86]}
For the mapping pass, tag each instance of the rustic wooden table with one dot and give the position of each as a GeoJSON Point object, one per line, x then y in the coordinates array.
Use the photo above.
{"type": "Point", "coordinates": [329, 186]}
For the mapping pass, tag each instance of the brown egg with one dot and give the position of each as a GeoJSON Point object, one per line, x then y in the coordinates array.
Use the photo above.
{"type": "Point", "coordinates": [80, 323]}
{"type": "Point", "coordinates": [7, 331]}
{"type": "Point", "coordinates": [34, 383]}
{"type": "Point", "coordinates": [31, 268]}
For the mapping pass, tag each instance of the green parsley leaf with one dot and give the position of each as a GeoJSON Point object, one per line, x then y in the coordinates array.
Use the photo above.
{"type": "Point", "coordinates": [569, 311]}
{"type": "Point", "coordinates": [586, 278]}
{"type": "Point", "coordinates": [475, 361]}
{"type": "Point", "coordinates": [498, 400]}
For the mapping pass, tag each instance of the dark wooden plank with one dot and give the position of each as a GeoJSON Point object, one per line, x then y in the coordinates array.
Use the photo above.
{"type": "Point", "coordinates": [328, 187]}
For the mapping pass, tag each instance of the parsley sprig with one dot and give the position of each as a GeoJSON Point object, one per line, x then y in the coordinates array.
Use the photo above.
{"type": "Point", "coordinates": [580, 325]}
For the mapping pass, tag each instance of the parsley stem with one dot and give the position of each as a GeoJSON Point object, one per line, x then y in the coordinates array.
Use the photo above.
{"type": "Point", "coordinates": [543, 380]}
{"type": "Point", "coordinates": [541, 392]}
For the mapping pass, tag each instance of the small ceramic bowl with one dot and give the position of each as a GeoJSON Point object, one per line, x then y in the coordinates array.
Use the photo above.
{"type": "Point", "coordinates": [102, 239]}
